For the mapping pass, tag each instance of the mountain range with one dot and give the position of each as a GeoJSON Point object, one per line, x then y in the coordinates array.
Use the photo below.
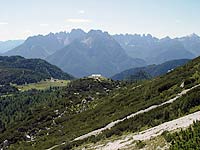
{"type": "Point", "coordinates": [96, 52]}
{"type": "Point", "coordinates": [154, 50]}
{"type": "Point", "coordinates": [83, 53]}
{"type": "Point", "coordinates": [42, 46]}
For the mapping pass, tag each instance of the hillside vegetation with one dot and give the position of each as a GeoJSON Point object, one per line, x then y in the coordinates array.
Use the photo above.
{"type": "Point", "coordinates": [37, 112]}
{"type": "Point", "coordinates": [42, 119]}
{"type": "Point", "coordinates": [185, 139]}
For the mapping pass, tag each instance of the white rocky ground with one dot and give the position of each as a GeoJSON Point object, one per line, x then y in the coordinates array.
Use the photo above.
{"type": "Point", "coordinates": [182, 122]}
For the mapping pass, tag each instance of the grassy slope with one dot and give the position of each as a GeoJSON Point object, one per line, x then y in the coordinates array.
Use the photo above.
{"type": "Point", "coordinates": [42, 85]}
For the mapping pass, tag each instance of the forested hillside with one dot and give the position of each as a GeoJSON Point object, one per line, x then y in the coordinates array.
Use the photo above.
{"type": "Point", "coordinates": [148, 72]}
{"type": "Point", "coordinates": [32, 112]}
{"type": "Point", "coordinates": [18, 70]}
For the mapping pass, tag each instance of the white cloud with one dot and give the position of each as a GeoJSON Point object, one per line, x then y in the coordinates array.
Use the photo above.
{"type": "Point", "coordinates": [81, 12]}
{"type": "Point", "coordinates": [3, 23]}
{"type": "Point", "coordinates": [44, 24]}
{"type": "Point", "coordinates": [74, 20]}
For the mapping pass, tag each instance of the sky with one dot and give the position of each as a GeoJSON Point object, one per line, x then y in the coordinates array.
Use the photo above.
{"type": "Point", "coordinates": [22, 18]}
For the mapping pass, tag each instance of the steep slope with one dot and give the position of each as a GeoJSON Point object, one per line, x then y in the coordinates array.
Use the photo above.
{"type": "Point", "coordinates": [42, 46]}
{"type": "Point", "coordinates": [8, 45]}
{"type": "Point", "coordinates": [59, 116]}
{"type": "Point", "coordinates": [97, 52]}
{"type": "Point", "coordinates": [150, 71]}
{"type": "Point", "coordinates": [114, 123]}
{"type": "Point", "coordinates": [18, 70]}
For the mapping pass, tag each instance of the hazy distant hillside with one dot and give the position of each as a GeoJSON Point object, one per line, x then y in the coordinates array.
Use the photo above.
{"type": "Point", "coordinates": [96, 52]}
{"type": "Point", "coordinates": [155, 50]}
{"type": "Point", "coordinates": [149, 71]}
{"type": "Point", "coordinates": [137, 45]}
{"type": "Point", "coordinates": [191, 43]}
{"type": "Point", "coordinates": [18, 70]}
{"type": "Point", "coordinates": [8, 45]}
{"type": "Point", "coordinates": [169, 49]}
{"type": "Point", "coordinates": [42, 46]}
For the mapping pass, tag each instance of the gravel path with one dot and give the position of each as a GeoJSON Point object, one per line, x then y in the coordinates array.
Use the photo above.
{"type": "Point", "coordinates": [56, 146]}
{"type": "Point", "coordinates": [182, 122]}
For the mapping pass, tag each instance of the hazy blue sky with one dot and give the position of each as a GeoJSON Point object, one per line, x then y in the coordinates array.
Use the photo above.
{"type": "Point", "coordinates": [21, 18]}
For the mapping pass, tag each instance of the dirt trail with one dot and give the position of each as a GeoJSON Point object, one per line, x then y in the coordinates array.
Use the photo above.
{"type": "Point", "coordinates": [56, 146]}
{"type": "Point", "coordinates": [182, 122]}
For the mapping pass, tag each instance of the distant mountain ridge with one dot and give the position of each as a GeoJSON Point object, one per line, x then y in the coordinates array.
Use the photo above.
{"type": "Point", "coordinates": [154, 50]}
{"type": "Point", "coordinates": [42, 46]}
{"type": "Point", "coordinates": [96, 52]}
{"type": "Point", "coordinates": [150, 71]}
{"type": "Point", "coordinates": [135, 45]}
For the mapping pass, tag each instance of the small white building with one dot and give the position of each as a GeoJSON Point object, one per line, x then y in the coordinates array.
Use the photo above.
{"type": "Point", "coordinates": [95, 76]}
